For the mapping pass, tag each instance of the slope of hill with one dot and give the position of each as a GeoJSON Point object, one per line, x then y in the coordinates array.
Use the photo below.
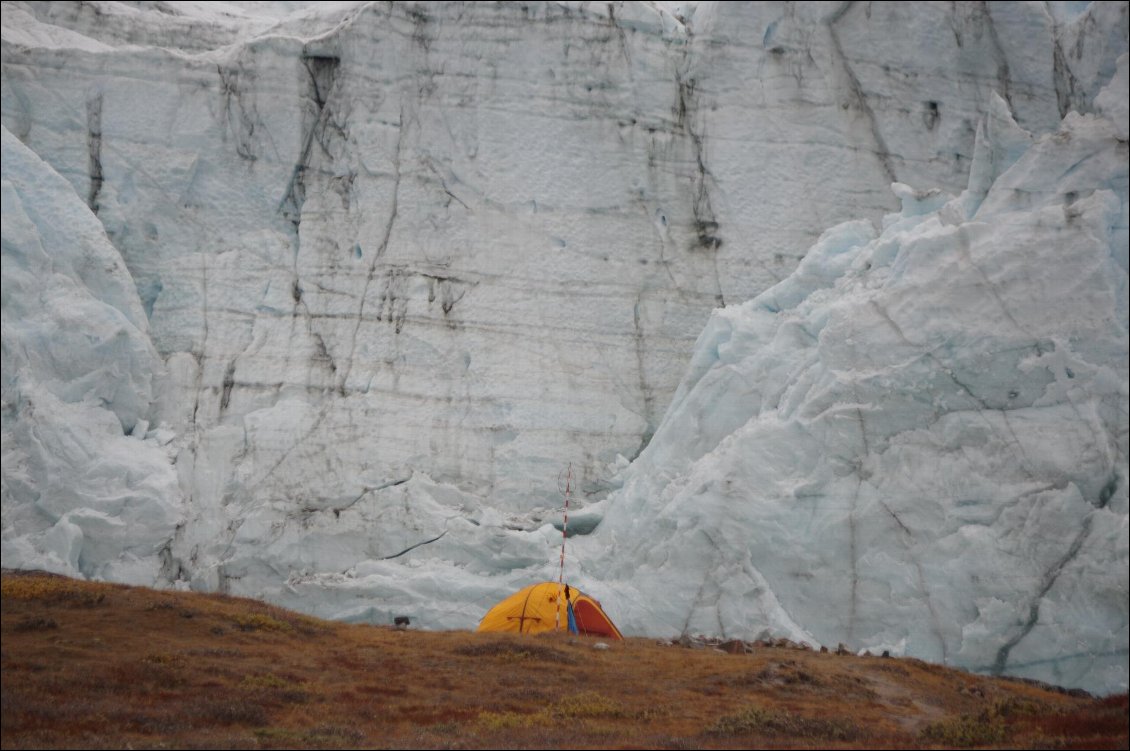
{"type": "Point", "coordinates": [94, 665]}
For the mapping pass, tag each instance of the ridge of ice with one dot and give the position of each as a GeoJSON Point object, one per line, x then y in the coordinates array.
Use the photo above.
{"type": "Point", "coordinates": [918, 438]}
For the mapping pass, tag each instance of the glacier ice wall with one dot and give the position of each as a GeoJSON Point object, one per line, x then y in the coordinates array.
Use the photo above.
{"type": "Point", "coordinates": [86, 491]}
{"type": "Point", "coordinates": [918, 440]}
{"type": "Point", "coordinates": [478, 240]}
{"type": "Point", "coordinates": [401, 262]}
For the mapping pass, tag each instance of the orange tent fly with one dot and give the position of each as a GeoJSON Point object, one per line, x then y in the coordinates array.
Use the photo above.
{"type": "Point", "coordinates": [548, 606]}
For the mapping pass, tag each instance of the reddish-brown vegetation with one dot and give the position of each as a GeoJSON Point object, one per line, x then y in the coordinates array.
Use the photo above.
{"type": "Point", "coordinates": [89, 665]}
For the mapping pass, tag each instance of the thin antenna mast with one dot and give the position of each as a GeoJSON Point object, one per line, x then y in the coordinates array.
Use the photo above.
{"type": "Point", "coordinates": [564, 531]}
{"type": "Point", "coordinates": [565, 522]}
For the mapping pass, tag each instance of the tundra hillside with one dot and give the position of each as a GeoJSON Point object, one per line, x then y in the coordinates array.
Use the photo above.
{"type": "Point", "coordinates": [93, 665]}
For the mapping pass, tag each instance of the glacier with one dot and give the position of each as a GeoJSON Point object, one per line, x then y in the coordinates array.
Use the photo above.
{"type": "Point", "coordinates": [918, 441]}
{"type": "Point", "coordinates": [85, 488]}
{"type": "Point", "coordinates": [314, 303]}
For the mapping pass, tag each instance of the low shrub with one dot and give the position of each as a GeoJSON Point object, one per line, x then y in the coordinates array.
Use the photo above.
{"type": "Point", "coordinates": [760, 721]}
{"type": "Point", "coordinates": [234, 710]}
{"type": "Point", "coordinates": [261, 622]}
{"type": "Point", "coordinates": [271, 686]}
{"type": "Point", "coordinates": [51, 589]}
{"type": "Point", "coordinates": [164, 658]}
{"type": "Point", "coordinates": [516, 651]}
{"type": "Point", "coordinates": [331, 734]}
{"type": "Point", "coordinates": [36, 624]}
{"type": "Point", "coordinates": [748, 720]}
{"type": "Point", "coordinates": [965, 731]}
{"type": "Point", "coordinates": [506, 720]}
{"type": "Point", "coordinates": [1014, 706]}
{"type": "Point", "coordinates": [585, 705]}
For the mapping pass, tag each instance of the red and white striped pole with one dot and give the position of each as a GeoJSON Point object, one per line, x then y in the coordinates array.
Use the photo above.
{"type": "Point", "coordinates": [564, 530]}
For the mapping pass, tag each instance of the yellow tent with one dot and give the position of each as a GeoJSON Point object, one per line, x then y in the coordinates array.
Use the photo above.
{"type": "Point", "coordinates": [548, 606]}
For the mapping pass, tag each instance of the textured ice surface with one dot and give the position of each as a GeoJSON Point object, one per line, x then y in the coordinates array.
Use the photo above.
{"type": "Point", "coordinates": [917, 439]}
{"type": "Point", "coordinates": [395, 265]}
{"type": "Point", "coordinates": [86, 491]}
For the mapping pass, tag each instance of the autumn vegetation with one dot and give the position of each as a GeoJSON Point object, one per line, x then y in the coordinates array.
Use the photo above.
{"type": "Point", "coordinates": [94, 665]}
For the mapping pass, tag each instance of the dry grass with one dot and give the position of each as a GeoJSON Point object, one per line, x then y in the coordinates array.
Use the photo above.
{"type": "Point", "coordinates": [89, 665]}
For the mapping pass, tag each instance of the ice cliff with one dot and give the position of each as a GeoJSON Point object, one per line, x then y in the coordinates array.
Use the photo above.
{"type": "Point", "coordinates": [83, 491]}
{"type": "Point", "coordinates": [313, 303]}
{"type": "Point", "coordinates": [918, 440]}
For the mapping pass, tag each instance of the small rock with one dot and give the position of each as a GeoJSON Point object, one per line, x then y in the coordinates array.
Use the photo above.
{"type": "Point", "coordinates": [600, 645]}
